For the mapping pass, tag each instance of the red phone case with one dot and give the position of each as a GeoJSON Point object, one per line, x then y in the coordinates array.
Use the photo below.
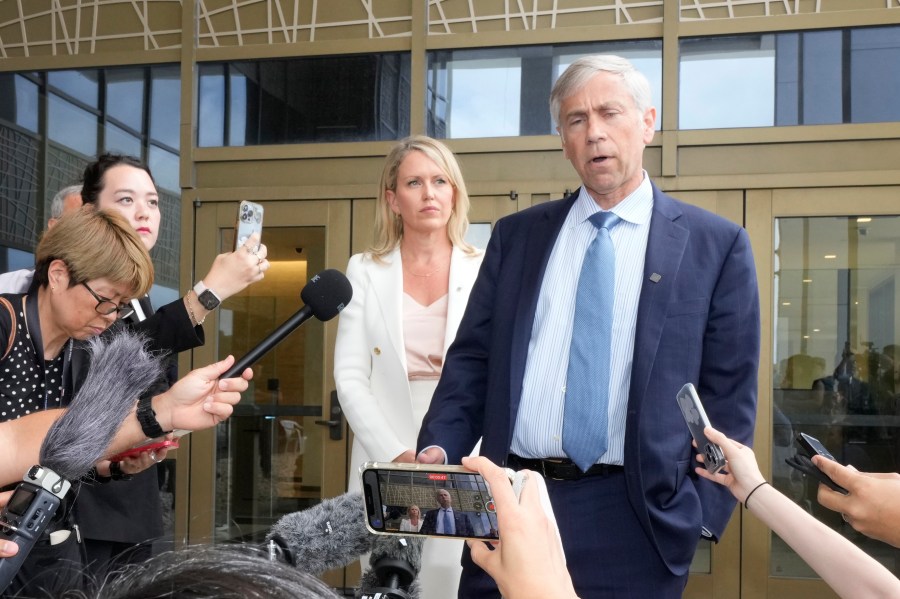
{"type": "Point", "coordinates": [135, 451]}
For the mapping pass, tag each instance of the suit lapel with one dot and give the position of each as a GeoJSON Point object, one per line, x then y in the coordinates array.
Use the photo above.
{"type": "Point", "coordinates": [665, 250]}
{"type": "Point", "coordinates": [463, 269]}
{"type": "Point", "coordinates": [387, 283]}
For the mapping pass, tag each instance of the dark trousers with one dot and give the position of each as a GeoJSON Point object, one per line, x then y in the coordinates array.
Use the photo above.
{"type": "Point", "coordinates": [608, 554]}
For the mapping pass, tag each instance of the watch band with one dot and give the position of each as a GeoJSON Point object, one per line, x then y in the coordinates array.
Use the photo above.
{"type": "Point", "coordinates": [116, 472]}
{"type": "Point", "coordinates": [206, 296]}
{"type": "Point", "coordinates": [147, 417]}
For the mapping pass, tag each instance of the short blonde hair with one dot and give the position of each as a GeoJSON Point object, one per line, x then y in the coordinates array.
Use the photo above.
{"type": "Point", "coordinates": [388, 226]}
{"type": "Point", "coordinates": [96, 244]}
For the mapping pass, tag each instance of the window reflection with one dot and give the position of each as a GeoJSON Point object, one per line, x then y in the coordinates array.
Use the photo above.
{"type": "Point", "coordinates": [72, 126]}
{"type": "Point", "coordinates": [504, 92]}
{"type": "Point", "coordinates": [81, 85]}
{"type": "Point", "coordinates": [805, 78]}
{"type": "Point", "coordinates": [836, 360]}
{"type": "Point", "coordinates": [125, 96]}
{"type": "Point", "coordinates": [321, 99]}
{"type": "Point", "coordinates": [165, 105]}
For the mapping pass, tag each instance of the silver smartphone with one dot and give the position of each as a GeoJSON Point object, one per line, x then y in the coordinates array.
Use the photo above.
{"type": "Point", "coordinates": [696, 419]}
{"type": "Point", "coordinates": [428, 500]}
{"type": "Point", "coordinates": [249, 221]}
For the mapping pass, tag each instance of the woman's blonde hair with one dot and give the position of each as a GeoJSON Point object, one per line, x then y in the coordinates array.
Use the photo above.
{"type": "Point", "coordinates": [389, 226]}
{"type": "Point", "coordinates": [96, 244]}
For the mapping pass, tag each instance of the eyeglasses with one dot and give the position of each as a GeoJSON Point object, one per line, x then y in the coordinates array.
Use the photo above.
{"type": "Point", "coordinates": [106, 306]}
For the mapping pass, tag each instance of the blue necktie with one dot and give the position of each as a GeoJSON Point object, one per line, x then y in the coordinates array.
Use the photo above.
{"type": "Point", "coordinates": [448, 523]}
{"type": "Point", "coordinates": [587, 380]}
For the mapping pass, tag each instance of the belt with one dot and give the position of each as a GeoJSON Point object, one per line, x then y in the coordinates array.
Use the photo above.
{"type": "Point", "coordinates": [560, 468]}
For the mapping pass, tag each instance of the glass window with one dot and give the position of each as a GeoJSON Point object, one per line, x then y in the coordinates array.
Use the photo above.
{"type": "Point", "coordinates": [125, 97]}
{"type": "Point", "coordinates": [321, 99]}
{"type": "Point", "coordinates": [504, 92]}
{"type": "Point", "coordinates": [19, 101]}
{"type": "Point", "coordinates": [165, 105]}
{"type": "Point", "coordinates": [80, 85]}
{"type": "Point", "coordinates": [836, 360]}
{"type": "Point", "coordinates": [164, 166]}
{"type": "Point", "coordinates": [211, 123]}
{"type": "Point", "coordinates": [875, 74]}
{"type": "Point", "coordinates": [727, 82]}
{"type": "Point", "coordinates": [121, 141]}
{"type": "Point", "coordinates": [806, 78]}
{"type": "Point", "coordinates": [72, 126]}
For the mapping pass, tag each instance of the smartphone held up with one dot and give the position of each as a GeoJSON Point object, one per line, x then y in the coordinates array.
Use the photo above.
{"type": "Point", "coordinates": [249, 221]}
{"type": "Point", "coordinates": [428, 500]}
{"type": "Point", "coordinates": [696, 419]}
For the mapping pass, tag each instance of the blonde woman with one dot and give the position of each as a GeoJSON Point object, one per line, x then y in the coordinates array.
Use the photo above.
{"type": "Point", "coordinates": [409, 293]}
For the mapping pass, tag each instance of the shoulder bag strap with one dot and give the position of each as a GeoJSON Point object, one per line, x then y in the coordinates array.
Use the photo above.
{"type": "Point", "coordinates": [12, 326]}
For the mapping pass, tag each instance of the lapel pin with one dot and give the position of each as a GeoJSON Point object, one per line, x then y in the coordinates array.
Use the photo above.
{"type": "Point", "coordinates": [655, 277]}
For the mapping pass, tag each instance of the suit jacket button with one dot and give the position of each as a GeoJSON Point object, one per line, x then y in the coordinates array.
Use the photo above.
{"type": "Point", "coordinates": [377, 351]}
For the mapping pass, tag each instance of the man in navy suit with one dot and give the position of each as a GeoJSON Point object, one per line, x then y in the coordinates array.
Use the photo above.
{"type": "Point", "coordinates": [445, 520]}
{"type": "Point", "coordinates": [685, 309]}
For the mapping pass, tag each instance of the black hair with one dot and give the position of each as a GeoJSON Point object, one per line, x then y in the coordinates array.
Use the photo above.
{"type": "Point", "coordinates": [92, 179]}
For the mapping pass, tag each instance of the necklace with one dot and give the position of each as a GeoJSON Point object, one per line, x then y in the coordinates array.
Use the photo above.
{"type": "Point", "coordinates": [427, 274]}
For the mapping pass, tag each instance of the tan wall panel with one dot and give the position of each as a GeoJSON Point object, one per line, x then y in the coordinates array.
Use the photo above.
{"type": "Point", "coordinates": [841, 156]}
{"type": "Point", "coordinates": [736, 9]}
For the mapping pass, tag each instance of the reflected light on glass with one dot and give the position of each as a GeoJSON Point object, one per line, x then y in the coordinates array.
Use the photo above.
{"type": "Point", "coordinates": [830, 256]}
{"type": "Point", "coordinates": [864, 219]}
{"type": "Point", "coordinates": [807, 280]}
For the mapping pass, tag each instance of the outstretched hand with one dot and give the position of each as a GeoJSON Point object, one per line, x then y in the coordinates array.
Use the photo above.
{"type": "Point", "coordinates": [871, 506]}
{"type": "Point", "coordinates": [528, 561]}
{"type": "Point", "coordinates": [200, 399]}
{"type": "Point", "coordinates": [741, 473]}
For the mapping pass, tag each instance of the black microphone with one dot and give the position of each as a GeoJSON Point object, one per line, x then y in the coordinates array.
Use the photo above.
{"type": "Point", "coordinates": [121, 369]}
{"type": "Point", "coordinates": [325, 295]}
{"type": "Point", "coordinates": [333, 534]}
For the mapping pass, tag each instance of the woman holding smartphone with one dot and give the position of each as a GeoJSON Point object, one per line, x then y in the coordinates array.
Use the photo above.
{"type": "Point", "coordinates": [409, 293]}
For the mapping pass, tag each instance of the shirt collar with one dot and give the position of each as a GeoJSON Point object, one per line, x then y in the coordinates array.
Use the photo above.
{"type": "Point", "coordinates": [636, 208]}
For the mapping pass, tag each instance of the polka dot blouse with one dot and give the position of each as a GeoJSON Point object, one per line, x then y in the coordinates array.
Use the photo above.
{"type": "Point", "coordinates": [25, 387]}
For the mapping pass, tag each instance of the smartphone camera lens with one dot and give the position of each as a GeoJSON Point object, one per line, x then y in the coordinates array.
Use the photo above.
{"type": "Point", "coordinates": [375, 521]}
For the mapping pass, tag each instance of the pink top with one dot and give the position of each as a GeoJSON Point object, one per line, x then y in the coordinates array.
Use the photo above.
{"type": "Point", "coordinates": [423, 333]}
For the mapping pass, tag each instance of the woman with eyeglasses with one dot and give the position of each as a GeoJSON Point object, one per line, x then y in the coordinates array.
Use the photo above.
{"type": "Point", "coordinates": [87, 269]}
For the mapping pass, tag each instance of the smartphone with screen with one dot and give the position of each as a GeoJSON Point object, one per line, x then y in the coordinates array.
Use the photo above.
{"type": "Point", "coordinates": [803, 461]}
{"type": "Point", "coordinates": [136, 451]}
{"type": "Point", "coordinates": [249, 221]}
{"type": "Point", "coordinates": [428, 500]}
{"type": "Point", "coordinates": [695, 417]}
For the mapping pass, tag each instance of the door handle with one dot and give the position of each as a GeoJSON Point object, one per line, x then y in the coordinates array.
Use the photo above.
{"type": "Point", "coordinates": [335, 423]}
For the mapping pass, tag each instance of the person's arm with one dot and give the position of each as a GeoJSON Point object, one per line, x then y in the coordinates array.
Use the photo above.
{"type": "Point", "coordinates": [848, 570]}
{"type": "Point", "coordinates": [230, 274]}
{"type": "Point", "coordinates": [872, 505]}
{"type": "Point", "coordinates": [352, 376]}
{"type": "Point", "coordinates": [197, 401]}
{"type": "Point", "coordinates": [528, 561]}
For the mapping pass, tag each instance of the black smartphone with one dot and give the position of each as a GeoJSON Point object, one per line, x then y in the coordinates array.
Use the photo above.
{"type": "Point", "coordinates": [803, 461]}
{"type": "Point", "coordinates": [249, 221]}
{"type": "Point", "coordinates": [428, 500]}
{"type": "Point", "coordinates": [695, 417]}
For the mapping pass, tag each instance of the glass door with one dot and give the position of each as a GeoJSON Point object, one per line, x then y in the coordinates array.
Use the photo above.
{"type": "Point", "coordinates": [284, 449]}
{"type": "Point", "coordinates": [832, 370]}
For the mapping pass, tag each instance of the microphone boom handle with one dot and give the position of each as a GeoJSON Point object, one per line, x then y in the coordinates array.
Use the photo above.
{"type": "Point", "coordinates": [274, 338]}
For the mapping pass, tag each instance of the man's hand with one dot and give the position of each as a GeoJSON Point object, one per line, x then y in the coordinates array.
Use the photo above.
{"type": "Point", "coordinates": [431, 455]}
{"type": "Point", "coordinates": [871, 507]}
{"type": "Point", "coordinates": [200, 400]}
{"type": "Point", "coordinates": [528, 561]}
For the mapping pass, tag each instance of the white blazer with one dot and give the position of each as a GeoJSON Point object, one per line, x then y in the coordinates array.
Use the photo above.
{"type": "Point", "coordinates": [370, 356]}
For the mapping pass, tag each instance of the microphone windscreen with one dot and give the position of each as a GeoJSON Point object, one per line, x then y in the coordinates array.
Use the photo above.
{"type": "Point", "coordinates": [329, 535]}
{"type": "Point", "coordinates": [327, 293]}
{"type": "Point", "coordinates": [390, 553]}
{"type": "Point", "coordinates": [121, 369]}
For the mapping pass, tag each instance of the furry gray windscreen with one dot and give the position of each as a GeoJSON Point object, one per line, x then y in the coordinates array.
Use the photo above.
{"type": "Point", "coordinates": [121, 369]}
{"type": "Point", "coordinates": [405, 550]}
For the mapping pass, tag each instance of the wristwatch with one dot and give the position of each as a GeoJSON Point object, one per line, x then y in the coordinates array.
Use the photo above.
{"type": "Point", "coordinates": [207, 297]}
{"type": "Point", "coordinates": [146, 415]}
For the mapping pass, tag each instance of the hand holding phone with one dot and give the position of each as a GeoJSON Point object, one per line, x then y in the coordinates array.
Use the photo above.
{"type": "Point", "coordinates": [428, 500]}
{"type": "Point", "coordinates": [136, 451]}
{"type": "Point", "coordinates": [249, 221]}
{"type": "Point", "coordinates": [695, 417]}
{"type": "Point", "coordinates": [803, 461]}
